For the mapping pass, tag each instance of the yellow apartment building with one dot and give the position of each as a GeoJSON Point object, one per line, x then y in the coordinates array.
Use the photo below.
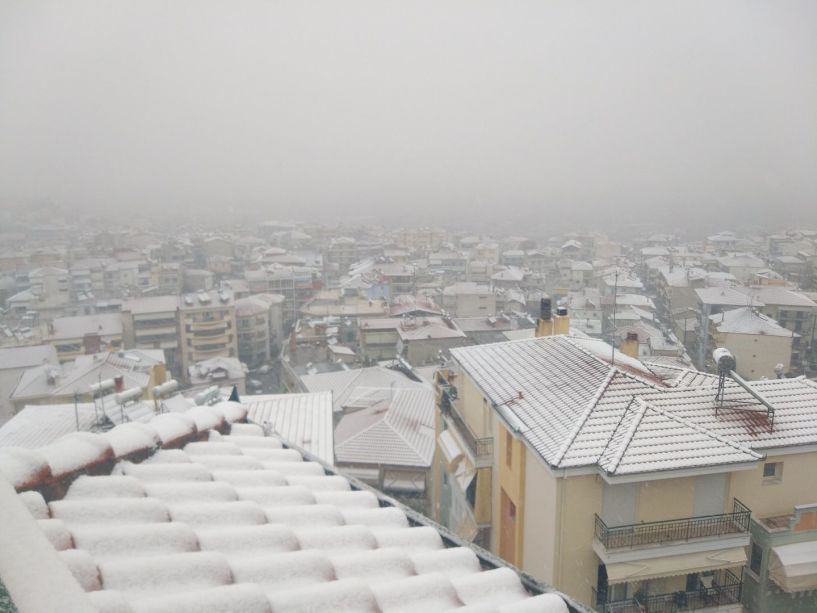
{"type": "Point", "coordinates": [208, 327]}
{"type": "Point", "coordinates": [627, 485]}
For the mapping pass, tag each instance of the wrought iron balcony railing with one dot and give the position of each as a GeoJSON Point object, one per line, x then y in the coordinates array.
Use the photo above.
{"type": "Point", "coordinates": [653, 533]}
{"type": "Point", "coordinates": [481, 447]}
{"type": "Point", "coordinates": [725, 590]}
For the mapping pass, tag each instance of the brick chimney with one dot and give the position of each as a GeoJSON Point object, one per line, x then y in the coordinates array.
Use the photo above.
{"type": "Point", "coordinates": [629, 346]}
{"type": "Point", "coordinates": [561, 323]}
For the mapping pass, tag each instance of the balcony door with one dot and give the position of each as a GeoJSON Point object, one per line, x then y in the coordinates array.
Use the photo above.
{"type": "Point", "coordinates": [620, 504]}
{"type": "Point", "coordinates": [710, 495]}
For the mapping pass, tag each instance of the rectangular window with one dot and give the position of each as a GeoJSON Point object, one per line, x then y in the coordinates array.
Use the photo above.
{"type": "Point", "coordinates": [772, 471]}
{"type": "Point", "coordinates": [757, 559]}
{"type": "Point", "coordinates": [508, 449]}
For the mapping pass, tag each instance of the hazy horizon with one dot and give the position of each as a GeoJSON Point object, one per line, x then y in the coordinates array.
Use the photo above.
{"type": "Point", "coordinates": [496, 113]}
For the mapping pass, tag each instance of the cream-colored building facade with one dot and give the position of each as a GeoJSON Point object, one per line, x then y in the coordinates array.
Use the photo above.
{"type": "Point", "coordinates": [208, 327]}
{"type": "Point", "coordinates": [650, 506]}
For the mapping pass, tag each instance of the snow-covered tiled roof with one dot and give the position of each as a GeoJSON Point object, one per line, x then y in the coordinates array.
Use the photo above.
{"type": "Point", "coordinates": [390, 426]}
{"type": "Point", "coordinates": [40, 424]}
{"type": "Point", "coordinates": [745, 320]}
{"type": "Point", "coordinates": [343, 383]}
{"type": "Point", "coordinates": [649, 439]}
{"type": "Point", "coordinates": [570, 402]}
{"type": "Point", "coordinates": [224, 518]}
{"type": "Point", "coordinates": [304, 420]}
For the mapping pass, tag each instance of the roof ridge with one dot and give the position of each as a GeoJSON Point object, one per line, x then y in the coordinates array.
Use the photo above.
{"type": "Point", "coordinates": [380, 418]}
{"type": "Point", "coordinates": [642, 408]}
{"type": "Point", "coordinates": [351, 381]}
{"type": "Point", "coordinates": [404, 439]}
{"type": "Point", "coordinates": [381, 421]}
{"type": "Point", "coordinates": [612, 365]}
{"type": "Point", "coordinates": [677, 380]}
{"type": "Point", "coordinates": [560, 454]}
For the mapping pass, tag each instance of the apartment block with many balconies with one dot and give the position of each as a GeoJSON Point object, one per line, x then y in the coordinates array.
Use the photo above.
{"type": "Point", "coordinates": [208, 327]}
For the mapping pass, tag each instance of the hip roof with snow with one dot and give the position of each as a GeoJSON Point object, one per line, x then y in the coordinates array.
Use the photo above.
{"type": "Point", "coordinates": [575, 404]}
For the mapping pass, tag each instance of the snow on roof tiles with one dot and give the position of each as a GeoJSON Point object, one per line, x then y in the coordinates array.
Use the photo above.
{"type": "Point", "coordinates": [176, 533]}
{"type": "Point", "coordinates": [745, 320]}
{"type": "Point", "coordinates": [303, 419]}
{"type": "Point", "coordinates": [395, 427]}
{"type": "Point", "coordinates": [573, 405]}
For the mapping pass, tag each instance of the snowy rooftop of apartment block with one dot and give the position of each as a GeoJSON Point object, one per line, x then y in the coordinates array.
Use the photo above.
{"type": "Point", "coordinates": [579, 404]}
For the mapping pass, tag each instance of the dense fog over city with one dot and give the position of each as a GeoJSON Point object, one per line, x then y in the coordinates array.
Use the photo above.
{"type": "Point", "coordinates": [420, 305]}
{"type": "Point", "coordinates": [474, 112]}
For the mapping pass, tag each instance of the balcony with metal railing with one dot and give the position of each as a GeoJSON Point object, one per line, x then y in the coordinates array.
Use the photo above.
{"type": "Point", "coordinates": [726, 589]}
{"type": "Point", "coordinates": [674, 530]}
{"type": "Point", "coordinates": [481, 447]}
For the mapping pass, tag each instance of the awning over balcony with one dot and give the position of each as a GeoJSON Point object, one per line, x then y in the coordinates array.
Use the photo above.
{"type": "Point", "coordinates": [654, 568]}
{"type": "Point", "coordinates": [794, 567]}
{"type": "Point", "coordinates": [465, 473]}
{"type": "Point", "coordinates": [450, 447]}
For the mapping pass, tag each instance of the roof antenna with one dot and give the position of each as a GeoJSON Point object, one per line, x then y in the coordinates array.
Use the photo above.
{"type": "Point", "coordinates": [613, 331]}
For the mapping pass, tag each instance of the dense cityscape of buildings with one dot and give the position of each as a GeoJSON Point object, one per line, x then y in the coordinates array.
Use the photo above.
{"type": "Point", "coordinates": [553, 400]}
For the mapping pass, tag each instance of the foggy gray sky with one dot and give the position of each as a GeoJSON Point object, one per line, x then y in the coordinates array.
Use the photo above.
{"type": "Point", "coordinates": [601, 110]}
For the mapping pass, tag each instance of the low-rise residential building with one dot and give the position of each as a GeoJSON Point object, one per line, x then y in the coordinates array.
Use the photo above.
{"type": "Point", "coordinates": [647, 488]}
{"type": "Point", "coordinates": [469, 299]}
{"type": "Point", "coordinates": [385, 437]}
{"type": "Point", "coordinates": [65, 383]}
{"type": "Point", "coordinates": [792, 310]}
{"type": "Point", "coordinates": [378, 338]}
{"type": "Point", "coordinates": [426, 340]}
{"type": "Point", "coordinates": [491, 329]}
{"type": "Point", "coordinates": [761, 346]}
{"type": "Point", "coordinates": [85, 334]}
{"type": "Point", "coordinates": [742, 266]}
{"type": "Point", "coordinates": [14, 362]}
{"type": "Point", "coordinates": [220, 371]}
{"type": "Point", "coordinates": [333, 304]}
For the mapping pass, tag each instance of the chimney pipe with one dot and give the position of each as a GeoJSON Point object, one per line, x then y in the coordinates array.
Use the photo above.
{"type": "Point", "coordinates": [544, 327]}
{"type": "Point", "coordinates": [545, 312]}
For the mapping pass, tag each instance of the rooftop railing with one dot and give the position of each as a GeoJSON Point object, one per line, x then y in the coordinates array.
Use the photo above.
{"type": "Point", "coordinates": [657, 532]}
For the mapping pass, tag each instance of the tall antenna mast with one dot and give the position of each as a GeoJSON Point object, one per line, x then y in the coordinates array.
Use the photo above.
{"type": "Point", "coordinates": [613, 331]}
